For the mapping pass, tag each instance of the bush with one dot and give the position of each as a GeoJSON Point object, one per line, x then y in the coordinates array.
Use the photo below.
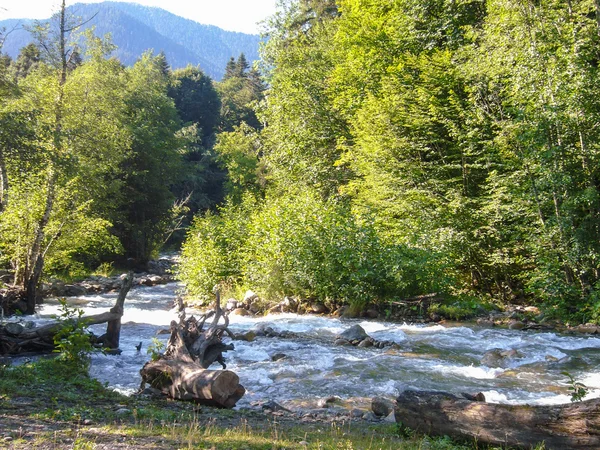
{"type": "Point", "coordinates": [304, 246]}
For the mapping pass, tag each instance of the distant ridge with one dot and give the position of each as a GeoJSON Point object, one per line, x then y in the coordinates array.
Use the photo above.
{"type": "Point", "coordinates": [136, 28]}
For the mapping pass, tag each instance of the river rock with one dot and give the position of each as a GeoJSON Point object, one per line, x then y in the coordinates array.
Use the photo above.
{"type": "Point", "coordinates": [340, 341]}
{"type": "Point", "coordinates": [498, 357]}
{"type": "Point", "coordinates": [14, 328]}
{"type": "Point", "coordinates": [372, 313]}
{"type": "Point", "coordinates": [516, 325]}
{"type": "Point", "coordinates": [240, 312]}
{"type": "Point", "coordinates": [340, 311]}
{"type": "Point", "coordinates": [365, 343]}
{"type": "Point", "coordinates": [318, 308]}
{"type": "Point", "coordinates": [73, 290]}
{"type": "Point", "coordinates": [231, 304]}
{"type": "Point", "coordinates": [588, 328]}
{"type": "Point", "coordinates": [248, 336]}
{"type": "Point", "coordinates": [382, 407]}
{"type": "Point", "coordinates": [249, 297]}
{"type": "Point", "coordinates": [354, 333]}
{"type": "Point", "coordinates": [278, 356]}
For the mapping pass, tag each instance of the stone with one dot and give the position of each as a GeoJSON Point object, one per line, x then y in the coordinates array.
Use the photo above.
{"type": "Point", "coordinates": [240, 312]}
{"type": "Point", "coordinates": [390, 418]}
{"type": "Point", "coordinates": [231, 304]}
{"type": "Point", "coordinates": [365, 343]}
{"type": "Point", "coordinates": [372, 313]}
{"type": "Point", "coordinates": [354, 333]}
{"type": "Point", "coordinates": [532, 309]}
{"type": "Point", "coordinates": [516, 325]}
{"type": "Point", "coordinates": [341, 341]}
{"type": "Point", "coordinates": [498, 358]}
{"type": "Point", "coordinates": [318, 308]}
{"type": "Point", "coordinates": [248, 336]}
{"type": "Point", "coordinates": [485, 322]}
{"type": "Point", "coordinates": [381, 406]}
{"type": "Point", "coordinates": [14, 328]}
{"type": "Point", "coordinates": [588, 328]}
{"type": "Point", "coordinates": [278, 356]}
{"type": "Point", "coordinates": [250, 297]}
{"type": "Point", "coordinates": [340, 311]}
{"type": "Point", "coordinates": [122, 411]}
{"type": "Point", "coordinates": [273, 406]}
{"type": "Point", "coordinates": [357, 414]}
{"type": "Point", "coordinates": [73, 290]}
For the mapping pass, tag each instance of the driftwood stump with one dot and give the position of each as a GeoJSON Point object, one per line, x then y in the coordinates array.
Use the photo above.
{"type": "Point", "coordinates": [181, 372]}
{"type": "Point", "coordinates": [569, 426]}
{"type": "Point", "coordinates": [15, 339]}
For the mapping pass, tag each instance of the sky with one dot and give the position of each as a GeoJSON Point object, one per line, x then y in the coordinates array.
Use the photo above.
{"type": "Point", "coordinates": [233, 15]}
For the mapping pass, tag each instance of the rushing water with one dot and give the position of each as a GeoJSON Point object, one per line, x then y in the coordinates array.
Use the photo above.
{"type": "Point", "coordinates": [432, 357]}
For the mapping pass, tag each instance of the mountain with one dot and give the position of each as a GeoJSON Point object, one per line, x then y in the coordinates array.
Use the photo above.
{"type": "Point", "coordinates": [136, 28]}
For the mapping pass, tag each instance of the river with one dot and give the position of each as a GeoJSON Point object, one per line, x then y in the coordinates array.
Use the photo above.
{"type": "Point", "coordinates": [433, 357]}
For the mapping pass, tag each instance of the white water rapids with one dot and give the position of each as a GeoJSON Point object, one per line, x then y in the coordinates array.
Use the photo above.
{"type": "Point", "coordinates": [432, 357]}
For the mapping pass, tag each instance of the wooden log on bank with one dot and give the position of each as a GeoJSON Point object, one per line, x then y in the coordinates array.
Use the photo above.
{"type": "Point", "coordinates": [182, 371]}
{"type": "Point", "coordinates": [572, 426]}
{"type": "Point", "coordinates": [15, 339]}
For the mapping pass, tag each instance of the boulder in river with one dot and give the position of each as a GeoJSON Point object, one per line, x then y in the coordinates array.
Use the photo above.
{"type": "Point", "coordinates": [382, 407]}
{"type": "Point", "coordinates": [498, 357]}
{"type": "Point", "coordinates": [354, 333]}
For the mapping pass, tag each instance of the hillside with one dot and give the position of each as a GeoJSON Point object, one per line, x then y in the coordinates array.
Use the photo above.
{"type": "Point", "coordinates": [135, 28]}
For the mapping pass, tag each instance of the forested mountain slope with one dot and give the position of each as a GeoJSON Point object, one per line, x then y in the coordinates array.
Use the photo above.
{"type": "Point", "coordinates": [135, 28]}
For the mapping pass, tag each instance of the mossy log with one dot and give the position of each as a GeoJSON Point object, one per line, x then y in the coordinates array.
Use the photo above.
{"type": "Point", "coordinates": [572, 426]}
{"type": "Point", "coordinates": [182, 371]}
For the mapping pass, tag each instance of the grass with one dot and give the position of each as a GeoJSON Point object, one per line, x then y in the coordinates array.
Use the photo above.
{"type": "Point", "coordinates": [49, 405]}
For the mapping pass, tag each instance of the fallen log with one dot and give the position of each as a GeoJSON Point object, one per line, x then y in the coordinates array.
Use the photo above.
{"type": "Point", "coordinates": [16, 339]}
{"type": "Point", "coordinates": [573, 425]}
{"type": "Point", "coordinates": [182, 371]}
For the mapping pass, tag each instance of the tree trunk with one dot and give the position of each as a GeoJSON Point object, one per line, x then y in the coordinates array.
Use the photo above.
{"type": "Point", "coordinates": [181, 373]}
{"type": "Point", "coordinates": [572, 426]}
{"type": "Point", "coordinates": [3, 182]}
{"type": "Point", "coordinates": [15, 339]}
{"type": "Point", "coordinates": [184, 380]}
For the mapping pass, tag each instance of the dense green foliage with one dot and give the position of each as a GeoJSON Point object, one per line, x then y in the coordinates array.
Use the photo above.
{"type": "Point", "coordinates": [100, 162]}
{"type": "Point", "coordinates": [456, 138]}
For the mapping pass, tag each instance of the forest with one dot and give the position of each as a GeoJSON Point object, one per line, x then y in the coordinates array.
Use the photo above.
{"type": "Point", "coordinates": [379, 150]}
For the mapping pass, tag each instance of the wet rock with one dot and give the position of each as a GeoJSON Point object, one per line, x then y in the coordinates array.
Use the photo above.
{"type": "Point", "coordinates": [516, 325]}
{"type": "Point", "coordinates": [340, 341]}
{"type": "Point", "coordinates": [289, 305]}
{"type": "Point", "coordinates": [240, 312]}
{"type": "Point", "coordinates": [249, 297]}
{"type": "Point", "coordinates": [231, 304]}
{"type": "Point", "coordinates": [485, 322]}
{"type": "Point", "coordinates": [14, 328]}
{"type": "Point", "coordinates": [327, 402]}
{"type": "Point", "coordinates": [382, 407]}
{"type": "Point", "coordinates": [498, 358]}
{"type": "Point", "coordinates": [318, 308]}
{"type": "Point", "coordinates": [357, 414]}
{"type": "Point", "coordinates": [354, 333]}
{"type": "Point", "coordinates": [372, 313]}
{"type": "Point", "coordinates": [273, 406]}
{"type": "Point", "coordinates": [73, 290]}
{"type": "Point", "coordinates": [588, 328]}
{"type": "Point", "coordinates": [340, 311]}
{"type": "Point", "coordinates": [435, 317]}
{"type": "Point", "coordinates": [479, 397]}
{"type": "Point", "coordinates": [278, 356]}
{"type": "Point", "coordinates": [248, 336]}
{"type": "Point", "coordinates": [365, 343]}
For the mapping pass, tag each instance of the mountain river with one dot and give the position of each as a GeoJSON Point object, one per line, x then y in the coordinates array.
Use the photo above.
{"type": "Point", "coordinates": [432, 357]}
